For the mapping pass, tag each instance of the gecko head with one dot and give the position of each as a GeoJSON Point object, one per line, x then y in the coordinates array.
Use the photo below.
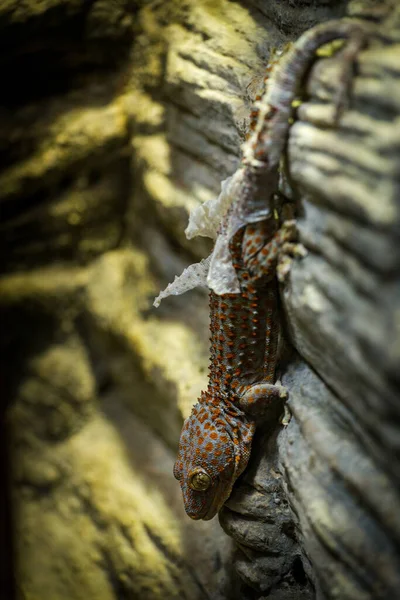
{"type": "Point", "coordinates": [214, 449]}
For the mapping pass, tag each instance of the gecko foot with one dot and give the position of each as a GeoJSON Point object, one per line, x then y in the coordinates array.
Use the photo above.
{"type": "Point", "coordinates": [289, 251]}
{"type": "Point", "coordinates": [288, 232]}
{"type": "Point", "coordinates": [286, 417]}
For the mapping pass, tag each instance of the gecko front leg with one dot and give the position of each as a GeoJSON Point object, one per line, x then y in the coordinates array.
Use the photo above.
{"type": "Point", "coordinates": [263, 401]}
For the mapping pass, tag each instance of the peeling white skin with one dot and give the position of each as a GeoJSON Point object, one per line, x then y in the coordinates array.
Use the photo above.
{"type": "Point", "coordinates": [208, 220]}
{"type": "Point", "coordinates": [205, 219]}
{"type": "Point", "coordinates": [220, 219]}
{"type": "Point", "coordinates": [193, 276]}
{"type": "Point", "coordinates": [221, 276]}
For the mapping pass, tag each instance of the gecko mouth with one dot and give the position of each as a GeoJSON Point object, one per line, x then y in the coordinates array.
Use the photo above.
{"type": "Point", "coordinates": [207, 513]}
{"type": "Point", "coordinates": [221, 495]}
{"type": "Point", "coordinates": [210, 509]}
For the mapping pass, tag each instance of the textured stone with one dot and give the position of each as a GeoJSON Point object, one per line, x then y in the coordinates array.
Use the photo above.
{"type": "Point", "coordinates": [336, 459]}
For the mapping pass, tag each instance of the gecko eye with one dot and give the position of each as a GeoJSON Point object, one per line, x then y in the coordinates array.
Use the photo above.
{"type": "Point", "coordinates": [199, 480]}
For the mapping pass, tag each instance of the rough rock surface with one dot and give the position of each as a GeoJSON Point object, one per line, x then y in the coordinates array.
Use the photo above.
{"type": "Point", "coordinates": [123, 116]}
{"type": "Point", "coordinates": [337, 459]}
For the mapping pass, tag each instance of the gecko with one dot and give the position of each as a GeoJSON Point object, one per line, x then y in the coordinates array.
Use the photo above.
{"type": "Point", "coordinates": [252, 240]}
{"type": "Point", "coordinates": [215, 442]}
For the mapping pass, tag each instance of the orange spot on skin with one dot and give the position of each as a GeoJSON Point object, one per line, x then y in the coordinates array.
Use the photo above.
{"type": "Point", "coordinates": [200, 441]}
{"type": "Point", "coordinates": [214, 435]}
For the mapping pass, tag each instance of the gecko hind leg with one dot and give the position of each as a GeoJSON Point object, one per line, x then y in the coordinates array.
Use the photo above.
{"type": "Point", "coordinates": [263, 263]}
{"type": "Point", "coordinates": [277, 255]}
